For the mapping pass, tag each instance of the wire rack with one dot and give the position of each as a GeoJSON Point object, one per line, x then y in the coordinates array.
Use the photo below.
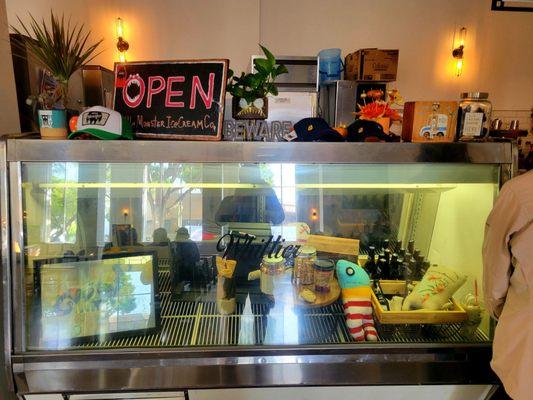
{"type": "Point", "coordinates": [197, 323]}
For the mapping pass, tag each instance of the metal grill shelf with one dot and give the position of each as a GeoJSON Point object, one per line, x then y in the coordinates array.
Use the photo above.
{"type": "Point", "coordinates": [197, 323]}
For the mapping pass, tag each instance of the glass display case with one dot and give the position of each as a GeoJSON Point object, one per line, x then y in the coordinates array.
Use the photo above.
{"type": "Point", "coordinates": [182, 248]}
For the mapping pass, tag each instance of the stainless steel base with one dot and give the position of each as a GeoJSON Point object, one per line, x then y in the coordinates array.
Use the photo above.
{"type": "Point", "coordinates": [175, 370]}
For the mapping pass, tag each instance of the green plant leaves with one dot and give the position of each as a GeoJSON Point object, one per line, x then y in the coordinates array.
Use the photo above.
{"type": "Point", "coordinates": [262, 65]}
{"type": "Point", "coordinates": [281, 69]}
{"type": "Point", "coordinates": [61, 47]}
{"type": "Point", "coordinates": [270, 57]}
{"type": "Point", "coordinates": [256, 85]}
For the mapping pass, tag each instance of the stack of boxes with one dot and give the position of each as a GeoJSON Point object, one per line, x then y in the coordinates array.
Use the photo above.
{"type": "Point", "coordinates": [364, 70]}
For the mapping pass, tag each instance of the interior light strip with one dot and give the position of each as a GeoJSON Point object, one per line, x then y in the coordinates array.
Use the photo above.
{"type": "Point", "coordinates": [158, 185]}
{"type": "Point", "coordinates": [148, 185]}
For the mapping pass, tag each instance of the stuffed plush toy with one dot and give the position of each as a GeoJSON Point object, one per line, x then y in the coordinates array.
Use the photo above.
{"type": "Point", "coordinates": [355, 292]}
{"type": "Point", "coordinates": [434, 290]}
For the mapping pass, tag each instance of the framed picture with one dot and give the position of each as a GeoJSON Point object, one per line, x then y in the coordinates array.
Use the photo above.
{"type": "Point", "coordinates": [80, 300]}
{"type": "Point", "coordinates": [512, 5]}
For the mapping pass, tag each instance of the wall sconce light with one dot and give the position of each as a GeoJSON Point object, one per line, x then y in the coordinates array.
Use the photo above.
{"type": "Point", "coordinates": [122, 45]}
{"type": "Point", "coordinates": [314, 214]}
{"type": "Point", "coordinates": [125, 213]}
{"type": "Point", "coordinates": [458, 51]}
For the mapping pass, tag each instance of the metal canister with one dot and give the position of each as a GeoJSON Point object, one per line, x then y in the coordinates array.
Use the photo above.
{"type": "Point", "coordinates": [272, 269]}
{"type": "Point", "coordinates": [303, 266]}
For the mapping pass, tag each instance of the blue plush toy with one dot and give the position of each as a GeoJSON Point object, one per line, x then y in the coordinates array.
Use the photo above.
{"type": "Point", "coordinates": [355, 292]}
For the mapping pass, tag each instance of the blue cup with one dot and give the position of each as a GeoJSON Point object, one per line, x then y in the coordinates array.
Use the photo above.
{"type": "Point", "coordinates": [52, 119]}
{"type": "Point", "coordinates": [329, 65]}
{"type": "Point", "coordinates": [53, 124]}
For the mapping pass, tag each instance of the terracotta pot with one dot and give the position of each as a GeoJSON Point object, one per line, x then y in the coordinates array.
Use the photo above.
{"type": "Point", "coordinates": [241, 109]}
{"type": "Point", "coordinates": [53, 124]}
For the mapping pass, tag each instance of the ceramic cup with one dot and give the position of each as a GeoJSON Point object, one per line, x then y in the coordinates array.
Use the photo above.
{"type": "Point", "coordinates": [53, 124]}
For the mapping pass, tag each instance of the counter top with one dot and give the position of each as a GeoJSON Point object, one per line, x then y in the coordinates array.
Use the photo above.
{"type": "Point", "coordinates": [277, 152]}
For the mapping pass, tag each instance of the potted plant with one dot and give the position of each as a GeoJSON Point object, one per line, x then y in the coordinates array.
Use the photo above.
{"type": "Point", "coordinates": [379, 110]}
{"type": "Point", "coordinates": [250, 90]}
{"type": "Point", "coordinates": [62, 48]}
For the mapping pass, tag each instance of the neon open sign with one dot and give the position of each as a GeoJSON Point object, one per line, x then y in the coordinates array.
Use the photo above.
{"type": "Point", "coordinates": [172, 99]}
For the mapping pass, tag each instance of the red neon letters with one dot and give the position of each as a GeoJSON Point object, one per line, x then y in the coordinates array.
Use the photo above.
{"type": "Point", "coordinates": [152, 90]}
{"type": "Point", "coordinates": [173, 88]}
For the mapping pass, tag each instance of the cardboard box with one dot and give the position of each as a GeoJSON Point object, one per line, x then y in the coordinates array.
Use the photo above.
{"type": "Point", "coordinates": [429, 121]}
{"type": "Point", "coordinates": [372, 65]}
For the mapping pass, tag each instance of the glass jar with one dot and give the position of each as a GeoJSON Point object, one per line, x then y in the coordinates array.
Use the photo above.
{"type": "Point", "coordinates": [303, 266]}
{"type": "Point", "coordinates": [473, 118]}
{"type": "Point", "coordinates": [272, 269]}
{"type": "Point", "coordinates": [323, 274]}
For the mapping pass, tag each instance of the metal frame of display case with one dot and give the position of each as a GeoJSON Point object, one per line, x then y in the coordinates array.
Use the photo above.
{"type": "Point", "coordinates": [144, 369]}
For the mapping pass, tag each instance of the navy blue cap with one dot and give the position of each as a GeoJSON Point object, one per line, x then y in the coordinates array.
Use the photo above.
{"type": "Point", "coordinates": [368, 131]}
{"type": "Point", "coordinates": [316, 130]}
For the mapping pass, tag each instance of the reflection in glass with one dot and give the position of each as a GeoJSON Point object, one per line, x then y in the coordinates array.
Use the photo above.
{"type": "Point", "coordinates": [79, 301]}
{"type": "Point", "coordinates": [179, 211]}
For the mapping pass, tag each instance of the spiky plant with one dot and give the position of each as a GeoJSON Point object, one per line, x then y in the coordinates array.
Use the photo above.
{"type": "Point", "coordinates": [62, 48]}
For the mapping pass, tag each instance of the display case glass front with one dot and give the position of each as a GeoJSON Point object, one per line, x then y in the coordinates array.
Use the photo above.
{"type": "Point", "coordinates": [170, 255]}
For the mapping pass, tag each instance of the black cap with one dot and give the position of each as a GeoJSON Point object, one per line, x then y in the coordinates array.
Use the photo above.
{"type": "Point", "coordinates": [316, 130]}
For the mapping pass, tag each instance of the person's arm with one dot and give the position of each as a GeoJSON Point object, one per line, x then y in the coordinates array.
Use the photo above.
{"type": "Point", "coordinates": [502, 222]}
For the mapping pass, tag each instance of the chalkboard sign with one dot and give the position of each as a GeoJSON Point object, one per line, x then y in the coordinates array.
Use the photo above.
{"type": "Point", "coordinates": [172, 99]}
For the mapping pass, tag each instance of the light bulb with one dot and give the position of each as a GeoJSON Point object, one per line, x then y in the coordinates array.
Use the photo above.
{"type": "Point", "coordinates": [119, 28]}
{"type": "Point", "coordinates": [122, 57]}
{"type": "Point", "coordinates": [459, 67]}
{"type": "Point", "coordinates": [462, 36]}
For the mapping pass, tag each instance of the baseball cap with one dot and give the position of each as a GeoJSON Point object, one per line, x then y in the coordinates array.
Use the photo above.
{"type": "Point", "coordinates": [316, 130]}
{"type": "Point", "coordinates": [363, 130]}
{"type": "Point", "coordinates": [103, 123]}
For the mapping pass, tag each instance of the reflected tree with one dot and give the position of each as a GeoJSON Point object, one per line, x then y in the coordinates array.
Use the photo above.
{"type": "Point", "coordinates": [63, 207]}
{"type": "Point", "coordinates": [167, 189]}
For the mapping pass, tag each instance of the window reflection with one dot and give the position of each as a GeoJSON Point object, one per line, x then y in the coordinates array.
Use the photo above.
{"type": "Point", "coordinates": [60, 222]}
{"type": "Point", "coordinates": [178, 211]}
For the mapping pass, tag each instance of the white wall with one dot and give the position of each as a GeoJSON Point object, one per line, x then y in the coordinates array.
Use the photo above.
{"type": "Point", "coordinates": [161, 29]}
{"type": "Point", "coordinates": [498, 53]}
{"type": "Point", "coordinates": [9, 120]}
{"type": "Point", "coordinates": [498, 48]}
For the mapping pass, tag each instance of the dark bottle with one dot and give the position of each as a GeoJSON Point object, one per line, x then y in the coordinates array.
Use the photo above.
{"type": "Point", "coordinates": [380, 296]}
{"type": "Point", "coordinates": [425, 267]}
{"type": "Point", "coordinates": [416, 253]}
{"type": "Point", "coordinates": [418, 266]}
{"type": "Point", "coordinates": [398, 246]}
{"type": "Point", "coordinates": [386, 244]}
{"type": "Point", "coordinates": [412, 268]}
{"type": "Point", "coordinates": [370, 265]}
{"type": "Point", "coordinates": [411, 246]}
{"type": "Point", "coordinates": [394, 267]}
{"type": "Point", "coordinates": [401, 253]}
{"type": "Point", "coordinates": [383, 269]}
{"type": "Point", "coordinates": [406, 271]}
{"type": "Point", "coordinates": [387, 254]}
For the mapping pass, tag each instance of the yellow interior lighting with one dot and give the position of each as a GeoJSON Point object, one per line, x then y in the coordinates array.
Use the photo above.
{"type": "Point", "coordinates": [199, 185]}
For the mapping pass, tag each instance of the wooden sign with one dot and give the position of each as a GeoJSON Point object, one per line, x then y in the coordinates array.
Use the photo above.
{"type": "Point", "coordinates": [172, 99]}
